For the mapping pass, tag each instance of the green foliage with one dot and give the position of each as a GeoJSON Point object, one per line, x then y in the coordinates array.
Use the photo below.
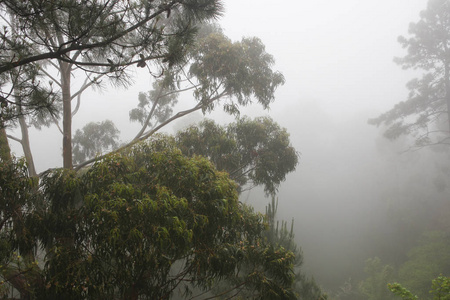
{"type": "Point", "coordinates": [32, 99]}
{"type": "Point", "coordinates": [215, 70]}
{"type": "Point", "coordinates": [5, 151]}
{"type": "Point", "coordinates": [400, 291]}
{"type": "Point", "coordinates": [94, 139]}
{"type": "Point", "coordinates": [17, 193]}
{"type": "Point", "coordinates": [143, 224]}
{"type": "Point", "coordinates": [96, 37]}
{"type": "Point", "coordinates": [18, 196]}
{"type": "Point", "coordinates": [254, 152]}
{"type": "Point", "coordinates": [239, 69]}
{"type": "Point", "coordinates": [374, 287]}
{"type": "Point", "coordinates": [428, 259]}
{"type": "Point", "coordinates": [440, 289]}
{"type": "Point", "coordinates": [110, 34]}
{"type": "Point", "coordinates": [156, 105]}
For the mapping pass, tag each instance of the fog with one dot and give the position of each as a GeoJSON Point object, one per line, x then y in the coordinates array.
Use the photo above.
{"type": "Point", "coordinates": [337, 59]}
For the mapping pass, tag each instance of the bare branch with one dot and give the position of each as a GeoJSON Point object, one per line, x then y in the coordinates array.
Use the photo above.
{"type": "Point", "coordinates": [14, 138]}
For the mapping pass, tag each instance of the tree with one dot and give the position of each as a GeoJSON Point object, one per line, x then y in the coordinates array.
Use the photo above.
{"type": "Point", "coordinates": [254, 152]}
{"type": "Point", "coordinates": [375, 285]}
{"type": "Point", "coordinates": [91, 225]}
{"type": "Point", "coordinates": [93, 139]}
{"type": "Point", "coordinates": [440, 289]}
{"type": "Point", "coordinates": [18, 193]}
{"type": "Point", "coordinates": [426, 113]}
{"type": "Point", "coordinates": [155, 107]}
{"type": "Point", "coordinates": [211, 73]}
{"type": "Point", "coordinates": [33, 106]}
{"type": "Point", "coordinates": [97, 37]}
{"type": "Point", "coordinates": [143, 224]}
{"type": "Point", "coordinates": [198, 66]}
{"type": "Point", "coordinates": [278, 234]}
{"type": "Point", "coordinates": [429, 258]}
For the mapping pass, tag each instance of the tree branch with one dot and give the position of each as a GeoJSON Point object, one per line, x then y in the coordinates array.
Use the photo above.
{"type": "Point", "coordinates": [74, 46]}
{"type": "Point", "coordinates": [14, 138]}
{"type": "Point", "coordinates": [150, 114]}
{"type": "Point", "coordinates": [151, 132]}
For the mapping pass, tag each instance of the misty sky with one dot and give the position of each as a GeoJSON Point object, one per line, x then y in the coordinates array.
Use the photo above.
{"type": "Point", "coordinates": [337, 59]}
{"type": "Point", "coordinates": [338, 53]}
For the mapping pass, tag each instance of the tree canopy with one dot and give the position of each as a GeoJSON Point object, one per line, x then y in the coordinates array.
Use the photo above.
{"type": "Point", "coordinates": [146, 221]}
{"type": "Point", "coordinates": [209, 83]}
{"type": "Point", "coordinates": [99, 33]}
{"type": "Point", "coordinates": [254, 152]}
{"type": "Point", "coordinates": [425, 114]}
{"type": "Point", "coordinates": [93, 139]}
{"type": "Point", "coordinates": [141, 224]}
{"type": "Point", "coordinates": [171, 39]}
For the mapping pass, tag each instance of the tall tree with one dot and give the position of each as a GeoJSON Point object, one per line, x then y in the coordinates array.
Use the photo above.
{"type": "Point", "coordinates": [97, 37]}
{"type": "Point", "coordinates": [426, 113]}
{"type": "Point", "coordinates": [216, 71]}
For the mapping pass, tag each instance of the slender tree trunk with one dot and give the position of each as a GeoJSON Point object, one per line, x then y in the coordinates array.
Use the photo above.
{"type": "Point", "coordinates": [26, 147]}
{"type": "Point", "coordinates": [447, 93]}
{"type": "Point", "coordinates": [25, 141]}
{"type": "Point", "coordinates": [5, 151]}
{"type": "Point", "coordinates": [447, 97]}
{"type": "Point", "coordinates": [67, 114]}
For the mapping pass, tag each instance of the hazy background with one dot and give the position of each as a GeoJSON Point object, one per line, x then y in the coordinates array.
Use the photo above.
{"type": "Point", "coordinates": [337, 58]}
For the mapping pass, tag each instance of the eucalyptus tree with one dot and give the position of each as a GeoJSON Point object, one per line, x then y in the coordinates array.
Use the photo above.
{"type": "Point", "coordinates": [141, 224]}
{"type": "Point", "coordinates": [93, 139]}
{"type": "Point", "coordinates": [218, 70]}
{"type": "Point", "coordinates": [98, 37]}
{"type": "Point", "coordinates": [426, 112]}
{"type": "Point", "coordinates": [254, 152]}
{"type": "Point", "coordinates": [215, 72]}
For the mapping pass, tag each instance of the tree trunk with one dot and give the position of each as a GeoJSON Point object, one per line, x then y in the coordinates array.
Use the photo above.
{"type": "Point", "coordinates": [5, 151]}
{"type": "Point", "coordinates": [447, 92]}
{"type": "Point", "coordinates": [26, 147]}
{"type": "Point", "coordinates": [447, 98]}
{"type": "Point", "coordinates": [67, 114]}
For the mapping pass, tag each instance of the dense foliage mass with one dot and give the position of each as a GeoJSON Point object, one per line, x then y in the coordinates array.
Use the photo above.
{"type": "Point", "coordinates": [254, 152]}
{"type": "Point", "coordinates": [143, 224]}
